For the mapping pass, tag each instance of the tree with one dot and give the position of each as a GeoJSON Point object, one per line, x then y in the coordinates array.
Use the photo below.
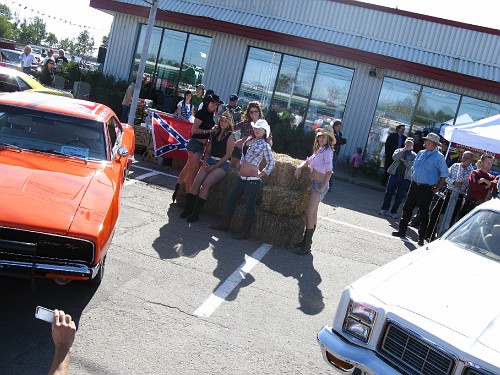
{"type": "Point", "coordinates": [84, 45]}
{"type": "Point", "coordinates": [7, 30]}
{"type": "Point", "coordinates": [5, 12]}
{"type": "Point", "coordinates": [51, 40]}
{"type": "Point", "coordinates": [33, 32]}
{"type": "Point", "coordinates": [105, 41]}
{"type": "Point", "coordinates": [67, 45]}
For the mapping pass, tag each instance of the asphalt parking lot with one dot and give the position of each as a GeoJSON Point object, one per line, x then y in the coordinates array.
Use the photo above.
{"type": "Point", "coordinates": [182, 298]}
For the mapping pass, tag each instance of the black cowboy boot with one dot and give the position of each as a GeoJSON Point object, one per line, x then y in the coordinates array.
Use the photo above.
{"type": "Point", "coordinates": [176, 191]}
{"type": "Point", "coordinates": [301, 243]}
{"type": "Point", "coordinates": [189, 205]}
{"type": "Point", "coordinates": [196, 211]}
{"type": "Point", "coordinates": [306, 249]}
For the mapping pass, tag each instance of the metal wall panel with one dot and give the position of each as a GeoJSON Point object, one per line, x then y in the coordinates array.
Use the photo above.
{"type": "Point", "coordinates": [351, 26]}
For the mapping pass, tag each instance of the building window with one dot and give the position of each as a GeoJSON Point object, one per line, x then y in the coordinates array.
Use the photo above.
{"type": "Point", "coordinates": [176, 62]}
{"type": "Point", "coordinates": [303, 91]}
{"type": "Point", "coordinates": [259, 76]}
{"type": "Point", "coordinates": [477, 109]}
{"type": "Point", "coordinates": [329, 95]}
{"type": "Point", "coordinates": [419, 108]}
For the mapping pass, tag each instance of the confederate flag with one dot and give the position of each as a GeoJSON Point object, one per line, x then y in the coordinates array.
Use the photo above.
{"type": "Point", "coordinates": [170, 136]}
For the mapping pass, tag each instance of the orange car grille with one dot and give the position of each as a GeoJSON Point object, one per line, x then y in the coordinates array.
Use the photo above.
{"type": "Point", "coordinates": [22, 245]}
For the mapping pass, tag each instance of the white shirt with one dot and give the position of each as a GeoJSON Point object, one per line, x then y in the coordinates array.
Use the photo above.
{"type": "Point", "coordinates": [47, 58]}
{"type": "Point", "coordinates": [27, 60]}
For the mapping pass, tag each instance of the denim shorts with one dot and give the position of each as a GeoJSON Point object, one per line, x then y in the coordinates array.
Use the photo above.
{"type": "Point", "coordinates": [195, 146]}
{"type": "Point", "coordinates": [315, 184]}
{"type": "Point", "coordinates": [211, 161]}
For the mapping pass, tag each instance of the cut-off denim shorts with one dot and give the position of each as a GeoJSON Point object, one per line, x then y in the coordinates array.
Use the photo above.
{"type": "Point", "coordinates": [195, 146]}
{"type": "Point", "coordinates": [315, 184]}
{"type": "Point", "coordinates": [212, 161]}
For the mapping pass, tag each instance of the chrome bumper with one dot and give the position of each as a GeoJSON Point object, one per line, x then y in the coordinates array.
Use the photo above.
{"type": "Point", "coordinates": [26, 269]}
{"type": "Point", "coordinates": [361, 359]}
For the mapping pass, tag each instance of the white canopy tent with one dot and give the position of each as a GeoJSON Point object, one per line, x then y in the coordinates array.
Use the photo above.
{"type": "Point", "coordinates": [482, 135]}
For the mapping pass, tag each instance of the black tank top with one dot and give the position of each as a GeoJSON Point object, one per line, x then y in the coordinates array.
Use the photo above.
{"type": "Point", "coordinates": [219, 147]}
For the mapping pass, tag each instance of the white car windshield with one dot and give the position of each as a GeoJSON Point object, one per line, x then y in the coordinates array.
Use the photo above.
{"type": "Point", "coordinates": [480, 233]}
{"type": "Point", "coordinates": [41, 131]}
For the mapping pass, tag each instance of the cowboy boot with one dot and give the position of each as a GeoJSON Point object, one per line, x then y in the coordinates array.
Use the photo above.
{"type": "Point", "coordinates": [301, 243]}
{"type": "Point", "coordinates": [189, 205]}
{"type": "Point", "coordinates": [306, 249]}
{"type": "Point", "coordinates": [176, 191]}
{"type": "Point", "coordinates": [245, 231]}
{"type": "Point", "coordinates": [196, 211]}
{"type": "Point", "coordinates": [224, 223]}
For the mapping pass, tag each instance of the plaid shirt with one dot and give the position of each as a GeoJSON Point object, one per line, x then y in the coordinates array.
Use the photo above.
{"type": "Point", "coordinates": [458, 174]}
{"type": "Point", "coordinates": [245, 127]}
{"type": "Point", "coordinates": [256, 151]}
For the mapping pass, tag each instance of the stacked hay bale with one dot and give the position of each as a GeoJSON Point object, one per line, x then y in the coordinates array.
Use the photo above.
{"type": "Point", "coordinates": [281, 203]}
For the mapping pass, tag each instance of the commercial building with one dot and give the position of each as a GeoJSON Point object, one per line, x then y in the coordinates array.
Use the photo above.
{"type": "Point", "coordinates": [373, 67]}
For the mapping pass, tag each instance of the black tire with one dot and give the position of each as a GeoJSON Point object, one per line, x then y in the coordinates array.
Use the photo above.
{"type": "Point", "coordinates": [100, 274]}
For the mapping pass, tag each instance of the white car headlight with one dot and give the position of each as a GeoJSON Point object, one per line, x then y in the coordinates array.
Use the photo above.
{"type": "Point", "coordinates": [359, 320]}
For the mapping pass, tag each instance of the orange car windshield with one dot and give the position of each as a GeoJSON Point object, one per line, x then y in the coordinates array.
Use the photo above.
{"type": "Point", "coordinates": [42, 131]}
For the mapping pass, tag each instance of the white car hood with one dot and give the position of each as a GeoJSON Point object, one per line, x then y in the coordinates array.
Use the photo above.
{"type": "Point", "coordinates": [452, 287]}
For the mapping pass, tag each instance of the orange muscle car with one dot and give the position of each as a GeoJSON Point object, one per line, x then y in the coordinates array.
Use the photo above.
{"type": "Point", "coordinates": [63, 163]}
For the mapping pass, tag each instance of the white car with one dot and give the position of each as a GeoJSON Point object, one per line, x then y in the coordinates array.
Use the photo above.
{"type": "Point", "coordinates": [433, 311]}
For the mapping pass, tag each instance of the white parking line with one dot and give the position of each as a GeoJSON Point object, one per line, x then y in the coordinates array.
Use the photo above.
{"type": "Point", "coordinates": [216, 298]}
{"type": "Point", "coordinates": [152, 170]}
{"type": "Point", "coordinates": [151, 173]}
{"type": "Point", "coordinates": [364, 229]}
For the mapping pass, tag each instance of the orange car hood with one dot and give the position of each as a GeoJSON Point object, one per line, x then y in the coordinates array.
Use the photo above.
{"type": "Point", "coordinates": [41, 192]}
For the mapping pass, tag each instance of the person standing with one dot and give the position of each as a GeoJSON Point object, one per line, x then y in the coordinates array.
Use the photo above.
{"type": "Point", "coordinates": [61, 59]}
{"type": "Point", "coordinates": [47, 74]}
{"type": "Point", "coordinates": [457, 181]}
{"type": "Point", "coordinates": [339, 141]}
{"type": "Point", "coordinates": [234, 108]}
{"type": "Point", "coordinates": [356, 161]}
{"type": "Point", "coordinates": [201, 131]}
{"type": "Point", "coordinates": [27, 58]}
{"type": "Point", "coordinates": [198, 96]}
{"type": "Point", "coordinates": [249, 181]}
{"type": "Point", "coordinates": [481, 182]}
{"type": "Point", "coordinates": [185, 108]}
{"type": "Point", "coordinates": [399, 178]}
{"type": "Point", "coordinates": [394, 141]}
{"type": "Point", "coordinates": [214, 168]}
{"type": "Point", "coordinates": [252, 114]}
{"type": "Point", "coordinates": [429, 174]}
{"type": "Point", "coordinates": [126, 101]}
{"type": "Point", "coordinates": [50, 55]}
{"type": "Point", "coordinates": [320, 163]}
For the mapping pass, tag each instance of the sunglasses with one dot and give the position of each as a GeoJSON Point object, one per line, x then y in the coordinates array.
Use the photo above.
{"type": "Point", "coordinates": [254, 111]}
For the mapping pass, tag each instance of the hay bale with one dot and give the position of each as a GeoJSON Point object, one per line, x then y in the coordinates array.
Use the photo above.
{"type": "Point", "coordinates": [282, 175]}
{"type": "Point", "coordinates": [279, 201]}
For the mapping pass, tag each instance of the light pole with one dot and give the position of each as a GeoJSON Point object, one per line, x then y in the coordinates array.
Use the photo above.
{"type": "Point", "coordinates": [142, 62]}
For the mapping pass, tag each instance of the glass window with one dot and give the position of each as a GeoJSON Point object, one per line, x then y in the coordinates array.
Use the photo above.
{"type": "Point", "coordinates": [435, 108]}
{"type": "Point", "coordinates": [477, 109]}
{"type": "Point", "coordinates": [154, 44]}
{"type": "Point", "coordinates": [329, 95]}
{"type": "Point", "coordinates": [195, 62]}
{"type": "Point", "coordinates": [259, 76]}
{"type": "Point", "coordinates": [293, 88]}
{"type": "Point", "coordinates": [396, 104]}
{"type": "Point", "coordinates": [169, 61]}
{"type": "Point", "coordinates": [176, 61]}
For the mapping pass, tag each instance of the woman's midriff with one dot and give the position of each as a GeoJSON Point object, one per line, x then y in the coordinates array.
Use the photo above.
{"type": "Point", "coordinates": [249, 170]}
{"type": "Point", "coordinates": [318, 176]}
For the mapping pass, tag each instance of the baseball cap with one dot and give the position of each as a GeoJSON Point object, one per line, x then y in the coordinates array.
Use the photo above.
{"type": "Point", "coordinates": [201, 85]}
{"type": "Point", "coordinates": [233, 97]}
{"type": "Point", "coordinates": [410, 139]}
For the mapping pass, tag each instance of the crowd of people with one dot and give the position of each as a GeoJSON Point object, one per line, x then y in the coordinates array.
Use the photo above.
{"type": "Point", "coordinates": [431, 183]}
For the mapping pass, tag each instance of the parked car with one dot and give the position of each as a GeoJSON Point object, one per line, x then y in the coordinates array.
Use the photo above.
{"type": "Point", "coordinates": [433, 311]}
{"type": "Point", "coordinates": [63, 163]}
{"type": "Point", "coordinates": [14, 80]}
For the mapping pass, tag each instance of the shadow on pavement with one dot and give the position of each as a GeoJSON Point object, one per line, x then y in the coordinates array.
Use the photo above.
{"type": "Point", "coordinates": [29, 349]}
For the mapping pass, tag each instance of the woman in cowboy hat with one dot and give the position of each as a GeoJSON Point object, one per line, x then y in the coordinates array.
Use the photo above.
{"type": "Point", "coordinates": [248, 183]}
{"type": "Point", "coordinates": [215, 166]}
{"type": "Point", "coordinates": [320, 164]}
